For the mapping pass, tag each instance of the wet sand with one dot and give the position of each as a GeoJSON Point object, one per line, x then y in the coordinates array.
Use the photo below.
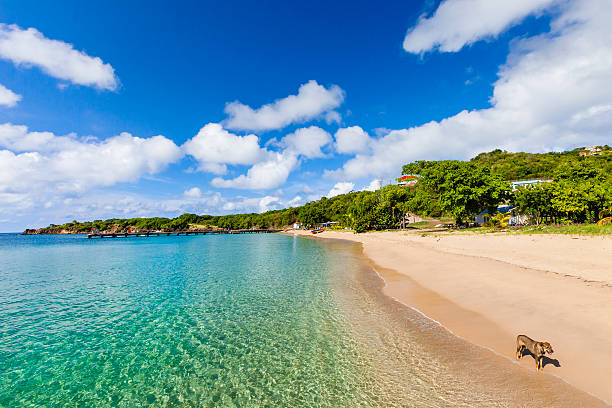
{"type": "Point", "coordinates": [486, 289]}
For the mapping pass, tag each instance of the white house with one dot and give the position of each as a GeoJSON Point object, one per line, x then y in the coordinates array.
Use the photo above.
{"type": "Point", "coordinates": [518, 184]}
{"type": "Point", "coordinates": [409, 180]}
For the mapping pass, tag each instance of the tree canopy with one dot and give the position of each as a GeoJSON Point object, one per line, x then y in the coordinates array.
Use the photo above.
{"type": "Point", "coordinates": [460, 188]}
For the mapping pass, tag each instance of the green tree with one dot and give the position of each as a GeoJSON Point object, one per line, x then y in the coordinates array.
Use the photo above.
{"type": "Point", "coordinates": [311, 214]}
{"type": "Point", "coordinates": [534, 201]}
{"type": "Point", "coordinates": [363, 214]}
{"type": "Point", "coordinates": [460, 188]}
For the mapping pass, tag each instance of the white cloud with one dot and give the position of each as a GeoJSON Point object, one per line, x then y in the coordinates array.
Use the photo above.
{"type": "Point", "coordinates": [457, 23]}
{"type": "Point", "coordinates": [340, 188]}
{"type": "Point", "coordinates": [255, 204]}
{"type": "Point", "coordinates": [295, 201]}
{"type": "Point", "coordinates": [332, 117]}
{"type": "Point", "coordinates": [42, 162]}
{"type": "Point", "coordinates": [268, 203]}
{"type": "Point", "coordinates": [311, 101]}
{"type": "Point", "coordinates": [56, 58]}
{"type": "Point", "coordinates": [193, 192]}
{"type": "Point", "coordinates": [18, 138]}
{"type": "Point", "coordinates": [273, 168]}
{"type": "Point", "coordinates": [267, 174]}
{"type": "Point", "coordinates": [351, 140]}
{"type": "Point", "coordinates": [258, 204]}
{"type": "Point", "coordinates": [214, 147]}
{"type": "Point", "coordinates": [553, 94]}
{"type": "Point", "coordinates": [307, 141]}
{"type": "Point", "coordinates": [306, 189]}
{"type": "Point", "coordinates": [313, 197]}
{"type": "Point", "coordinates": [8, 97]}
{"type": "Point", "coordinates": [373, 186]}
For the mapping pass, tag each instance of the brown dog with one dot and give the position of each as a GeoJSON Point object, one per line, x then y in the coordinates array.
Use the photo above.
{"type": "Point", "coordinates": [537, 348]}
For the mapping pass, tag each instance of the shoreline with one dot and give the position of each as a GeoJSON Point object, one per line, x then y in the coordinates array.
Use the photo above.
{"type": "Point", "coordinates": [480, 296]}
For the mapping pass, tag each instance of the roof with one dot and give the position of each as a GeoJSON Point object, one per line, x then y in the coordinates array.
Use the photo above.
{"type": "Point", "coordinates": [530, 181]}
{"type": "Point", "coordinates": [520, 183]}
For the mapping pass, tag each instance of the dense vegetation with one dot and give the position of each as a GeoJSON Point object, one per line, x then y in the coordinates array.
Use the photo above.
{"type": "Point", "coordinates": [521, 166]}
{"type": "Point", "coordinates": [580, 191]}
{"type": "Point", "coordinates": [270, 219]}
{"type": "Point", "coordinates": [459, 188]}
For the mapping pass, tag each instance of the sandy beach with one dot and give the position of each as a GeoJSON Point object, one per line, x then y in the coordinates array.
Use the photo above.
{"type": "Point", "coordinates": [488, 288]}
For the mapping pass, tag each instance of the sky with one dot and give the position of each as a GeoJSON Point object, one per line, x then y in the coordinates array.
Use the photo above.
{"type": "Point", "coordinates": [130, 109]}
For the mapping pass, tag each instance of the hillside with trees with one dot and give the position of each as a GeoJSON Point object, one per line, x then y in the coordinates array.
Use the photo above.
{"type": "Point", "coordinates": [578, 189]}
{"type": "Point", "coordinates": [521, 166]}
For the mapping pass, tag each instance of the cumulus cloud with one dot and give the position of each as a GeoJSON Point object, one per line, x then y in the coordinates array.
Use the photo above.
{"type": "Point", "coordinates": [457, 23]}
{"type": "Point", "coordinates": [214, 147]}
{"type": "Point", "coordinates": [56, 58]}
{"type": "Point", "coordinates": [259, 204]}
{"type": "Point", "coordinates": [373, 186]}
{"type": "Point", "coordinates": [295, 201]}
{"type": "Point", "coordinates": [33, 162]}
{"type": "Point", "coordinates": [340, 188]}
{"type": "Point", "coordinates": [8, 97]}
{"type": "Point", "coordinates": [256, 204]}
{"type": "Point", "coordinates": [351, 140]}
{"type": "Point", "coordinates": [267, 174]}
{"type": "Point", "coordinates": [312, 101]}
{"type": "Point", "coordinates": [18, 138]}
{"type": "Point", "coordinates": [307, 141]}
{"type": "Point", "coordinates": [553, 93]}
{"type": "Point", "coordinates": [274, 168]}
{"type": "Point", "coordinates": [193, 192]}
{"type": "Point", "coordinates": [332, 117]}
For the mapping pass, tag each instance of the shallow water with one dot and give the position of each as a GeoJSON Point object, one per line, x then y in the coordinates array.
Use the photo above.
{"type": "Point", "coordinates": [230, 320]}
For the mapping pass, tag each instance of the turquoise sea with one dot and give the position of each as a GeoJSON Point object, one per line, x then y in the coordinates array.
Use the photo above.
{"type": "Point", "coordinates": [229, 320]}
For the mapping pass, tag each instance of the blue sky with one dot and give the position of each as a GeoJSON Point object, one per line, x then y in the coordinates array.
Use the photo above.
{"type": "Point", "coordinates": [137, 109]}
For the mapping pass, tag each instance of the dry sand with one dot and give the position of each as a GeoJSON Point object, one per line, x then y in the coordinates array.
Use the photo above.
{"type": "Point", "coordinates": [488, 288]}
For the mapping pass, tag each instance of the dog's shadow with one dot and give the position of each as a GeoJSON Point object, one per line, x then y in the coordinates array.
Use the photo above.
{"type": "Point", "coordinates": [545, 361]}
